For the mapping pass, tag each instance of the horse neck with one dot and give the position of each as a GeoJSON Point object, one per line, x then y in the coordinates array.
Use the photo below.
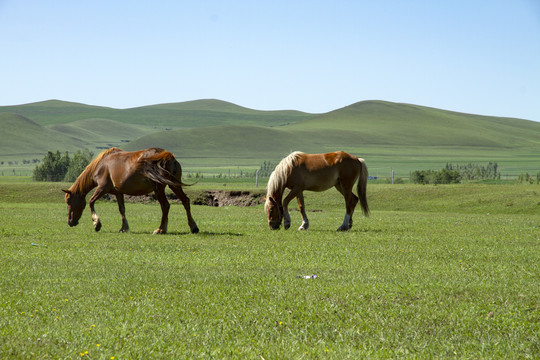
{"type": "Point", "coordinates": [280, 176]}
{"type": "Point", "coordinates": [84, 183]}
{"type": "Point", "coordinates": [275, 191]}
{"type": "Point", "coordinates": [277, 196]}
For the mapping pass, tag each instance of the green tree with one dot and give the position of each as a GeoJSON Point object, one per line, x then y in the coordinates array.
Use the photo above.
{"type": "Point", "coordinates": [443, 176]}
{"type": "Point", "coordinates": [53, 167]}
{"type": "Point", "coordinates": [58, 167]}
{"type": "Point", "coordinates": [77, 164]}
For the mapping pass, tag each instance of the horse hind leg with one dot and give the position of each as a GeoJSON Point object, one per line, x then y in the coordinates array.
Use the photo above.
{"type": "Point", "coordinates": [350, 203]}
{"type": "Point", "coordinates": [351, 207]}
{"type": "Point", "coordinates": [187, 206]}
{"type": "Point", "coordinates": [122, 209]}
{"type": "Point", "coordinates": [160, 195]}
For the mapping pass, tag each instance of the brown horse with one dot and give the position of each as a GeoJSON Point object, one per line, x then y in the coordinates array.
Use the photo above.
{"type": "Point", "coordinates": [315, 172]}
{"type": "Point", "coordinates": [121, 172]}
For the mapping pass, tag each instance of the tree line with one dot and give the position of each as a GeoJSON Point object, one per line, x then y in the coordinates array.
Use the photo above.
{"type": "Point", "coordinates": [476, 171]}
{"type": "Point", "coordinates": [61, 167]}
{"type": "Point", "coordinates": [453, 174]}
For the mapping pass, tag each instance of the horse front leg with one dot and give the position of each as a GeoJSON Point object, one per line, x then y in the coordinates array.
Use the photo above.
{"type": "Point", "coordinates": [301, 207]}
{"type": "Point", "coordinates": [286, 216]}
{"type": "Point", "coordinates": [160, 195]}
{"type": "Point", "coordinates": [187, 206]}
{"type": "Point", "coordinates": [122, 209]}
{"type": "Point", "coordinates": [95, 218]}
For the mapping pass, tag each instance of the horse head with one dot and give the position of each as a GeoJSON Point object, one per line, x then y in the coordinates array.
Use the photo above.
{"type": "Point", "coordinates": [75, 206]}
{"type": "Point", "coordinates": [275, 213]}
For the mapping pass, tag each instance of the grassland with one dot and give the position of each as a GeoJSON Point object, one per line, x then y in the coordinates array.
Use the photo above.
{"type": "Point", "coordinates": [435, 272]}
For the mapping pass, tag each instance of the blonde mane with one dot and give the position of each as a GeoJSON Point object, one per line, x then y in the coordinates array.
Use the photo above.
{"type": "Point", "coordinates": [85, 182]}
{"type": "Point", "coordinates": [278, 178]}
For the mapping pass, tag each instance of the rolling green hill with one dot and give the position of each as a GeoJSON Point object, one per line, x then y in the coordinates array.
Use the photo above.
{"type": "Point", "coordinates": [23, 137]}
{"type": "Point", "coordinates": [380, 122]}
{"type": "Point", "coordinates": [198, 113]}
{"type": "Point", "coordinates": [213, 133]}
{"type": "Point", "coordinates": [54, 112]}
{"type": "Point", "coordinates": [103, 131]}
{"type": "Point", "coordinates": [225, 142]}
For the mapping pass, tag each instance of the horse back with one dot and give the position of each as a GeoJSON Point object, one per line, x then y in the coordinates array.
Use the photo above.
{"type": "Point", "coordinates": [318, 172]}
{"type": "Point", "coordinates": [323, 162]}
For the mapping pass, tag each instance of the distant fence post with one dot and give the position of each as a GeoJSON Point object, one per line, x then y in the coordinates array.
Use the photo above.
{"type": "Point", "coordinates": [392, 177]}
{"type": "Point", "coordinates": [257, 178]}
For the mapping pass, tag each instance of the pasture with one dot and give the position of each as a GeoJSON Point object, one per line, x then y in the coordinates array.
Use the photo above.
{"type": "Point", "coordinates": [435, 272]}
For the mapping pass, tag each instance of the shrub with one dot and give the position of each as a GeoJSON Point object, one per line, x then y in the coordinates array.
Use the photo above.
{"type": "Point", "coordinates": [58, 167]}
{"type": "Point", "coordinates": [443, 176]}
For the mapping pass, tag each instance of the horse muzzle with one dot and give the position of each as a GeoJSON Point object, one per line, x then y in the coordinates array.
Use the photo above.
{"type": "Point", "coordinates": [73, 223]}
{"type": "Point", "coordinates": [274, 225]}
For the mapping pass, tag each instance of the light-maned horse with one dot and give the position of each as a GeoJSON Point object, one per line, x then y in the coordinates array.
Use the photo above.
{"type": "Point", "coordinates": [315, 172]}
{"type": "Point", "coordinates": [119, 172]}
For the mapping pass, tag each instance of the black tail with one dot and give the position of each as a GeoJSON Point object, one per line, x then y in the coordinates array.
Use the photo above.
{"type": "Point", "coordinates": [164, 169]}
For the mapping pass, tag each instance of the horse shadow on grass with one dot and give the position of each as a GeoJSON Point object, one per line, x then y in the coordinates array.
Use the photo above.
{"type": "Point", "coordinates": [366, 231]}
{"type": "Point", "coordinates": [186, 233]}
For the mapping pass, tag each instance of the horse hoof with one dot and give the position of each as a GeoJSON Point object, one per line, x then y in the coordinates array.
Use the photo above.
{"type": "Point", "coordinates": [304, 226]}
{"type": "Point", "coordinates": [158, 232]}
{"type": "Point", "coordinates": [97, 226]}
{"type": "Point", "coordinates": [195, 230]}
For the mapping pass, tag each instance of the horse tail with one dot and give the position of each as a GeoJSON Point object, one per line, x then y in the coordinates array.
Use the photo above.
{"type": "Point", "coordinates": [163, 168]}
{"type": "Point", "coordinates": [361, 187]}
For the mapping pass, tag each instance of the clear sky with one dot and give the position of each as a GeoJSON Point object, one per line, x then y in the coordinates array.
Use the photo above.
{"type": "Point", "coordinates": [474, 56]}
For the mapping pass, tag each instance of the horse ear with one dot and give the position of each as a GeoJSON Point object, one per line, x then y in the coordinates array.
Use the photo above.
{"type": "Point", "coordinates": [67, 191]}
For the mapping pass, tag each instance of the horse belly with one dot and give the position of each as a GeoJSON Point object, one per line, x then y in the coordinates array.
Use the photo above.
{"type": "Point", "coordinates": [133, 185]}
{"type": "Point", "coordinates": [320, 180]}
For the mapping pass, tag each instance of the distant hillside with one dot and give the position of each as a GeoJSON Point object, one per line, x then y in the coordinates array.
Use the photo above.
{"type": "Point", "coordinates": [358, 126]}
{"type": "Point", "coordinates": [380, 122]}
{"type": "Point", "coordinates": [103, 131]}
{"type": "Point", "coordinates": [199, 113]}
{"type": "Point", "coordinates": [226, 141]}
{"type": "Point", "coordinates": [22, 136]}
{"type": "Point", "coordinates": [390, 135]}
{"type": "Point", "coordinates": [256, 142]}
{"type": "Point", "coordinates": [53, 112]}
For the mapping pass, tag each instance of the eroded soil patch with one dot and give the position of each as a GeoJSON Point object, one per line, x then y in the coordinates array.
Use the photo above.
{"type": "Point", "coordinates": [228, 198]}
{"type": "Point", "coordinates": [207, 197]}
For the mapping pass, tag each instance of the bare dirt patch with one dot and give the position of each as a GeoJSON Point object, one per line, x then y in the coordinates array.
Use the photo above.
{"type": "Point", "coordinates": [207, 197]}
{"type": "Point", "coordinates": [228, 198]}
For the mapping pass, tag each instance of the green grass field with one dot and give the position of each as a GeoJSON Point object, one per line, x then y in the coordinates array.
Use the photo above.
{"type": "Point", "coordinates": [435, 272]}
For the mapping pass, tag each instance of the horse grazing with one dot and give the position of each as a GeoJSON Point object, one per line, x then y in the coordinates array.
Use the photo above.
{"type": "Point", "coordinates": [121, 172]}
{"type": "Point", "coordinates": [315, 172]}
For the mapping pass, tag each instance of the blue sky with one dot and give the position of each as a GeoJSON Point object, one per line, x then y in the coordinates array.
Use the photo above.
{"type": "Point", "coordinates": [474, 56]}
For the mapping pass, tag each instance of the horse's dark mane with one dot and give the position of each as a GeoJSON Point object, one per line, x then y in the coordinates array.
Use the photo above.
{"type": "Point", "coordinates": [85, 182]}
